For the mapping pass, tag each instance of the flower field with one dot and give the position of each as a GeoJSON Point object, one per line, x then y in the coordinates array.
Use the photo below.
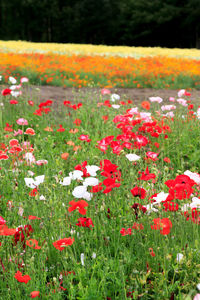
{"type": "Point", "coordinates": [71, 65]}
{"type": "Point", "coordinates": [99, 200]}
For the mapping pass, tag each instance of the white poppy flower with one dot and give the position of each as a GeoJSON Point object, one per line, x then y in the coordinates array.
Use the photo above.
{"type": "Point", "coordinates": [12, 80]}
{"type": "Point", "coordinates": [79, 191]}
{"type": "Point", "coordinates": [156, 99]}
{"type": "Point", "coordinates": [160, 197]}
{"type": "Point", "coordinates": [16, 94]}
{"type": "Point", "coordinates": [76, 175]}
{"type": "Point", "coordinates": [82, 259]}
{"type": "Point", "coordinates": [179, 257]}
{"type": "Point", "coordinates": [30, 158]}
{"type": "Point", "coordinates": [24, 79]}
{"type": "Point", "coordinates": [185, 207]}
{"type": "Point", "coordinates": [87, 196]}
{"type": "Point", "coordinates": [134, 111]}
{"type": "Point", "coordinates": [30, 173]}
{"type": "Point", "coordinates": [193, 176]}
{"type": "Point", "coordinates": [92, 170]}
{"type": "Point", "coordinates": [33, 183]}
{"type": "Point", "coordinates": [195, 202]}
{"type": "Point", "coordinates": [181, 93]}
{"type": "Point", "coordinates": [66, 181]}
{"type": "Point", "coordinates": [132, 157]}
{"type": "Point", "coordinates": [150, 208]}
{"type": "Point", "coordinates": [91, 181]}
{"type": "Point", "coordinates": [114, 97]}
{"type": "Point", "coordinates": [116, 106]}
{"type": "Point", "coordinates": [12, 87]}
{"type": "Point", "coordinates": [20, 211]}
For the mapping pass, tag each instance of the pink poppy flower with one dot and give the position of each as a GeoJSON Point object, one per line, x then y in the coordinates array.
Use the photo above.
{"type": "Point", "coordinates": [105, 92]}
{"type": "Point", "coordinates": [22, 121]}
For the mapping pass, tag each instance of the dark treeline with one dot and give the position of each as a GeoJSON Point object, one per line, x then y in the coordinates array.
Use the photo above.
{"type": "Point", "coordinates": [166, 23]}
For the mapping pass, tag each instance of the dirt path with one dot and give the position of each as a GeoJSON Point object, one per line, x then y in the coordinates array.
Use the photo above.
{"type": "Point", "coordinates": [76, 95]}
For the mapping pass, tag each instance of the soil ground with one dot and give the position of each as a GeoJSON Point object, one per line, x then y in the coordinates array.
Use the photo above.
{"type": "Point", "coordinates": [58, 94]}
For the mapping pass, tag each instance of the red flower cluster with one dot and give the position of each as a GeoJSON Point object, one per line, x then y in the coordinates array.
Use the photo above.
{"type": "Point", "coordinates": [128, 231]}
{"type": "Point", "coordinates": [73, 106]}
{"type": "Point", "coordinates": [164, 225]}
{"type": "Point", "coordinates": [110, 171]}
{"type": "Point", "coordinates": [193, 216]}
{"type": "Point", "coordinates": [21, 278]}
{"type": "Point", "coordinates": [43, 108]}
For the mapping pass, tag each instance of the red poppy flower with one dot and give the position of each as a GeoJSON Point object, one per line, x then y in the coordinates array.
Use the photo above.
{"type": "Point", "coordinates": [157, 145]}
{"type": "Point", "coordinates": [180, 179]}
{"type": "Point", "coordinates": [21, 278]}
{"type": "Point", "coordinates": [33, 218]}
{"type": "Point", "coordinates": [82, 167]}
{"type": "Point", "coordinates": [138, 192]}
{"type": "Point", "coordinates": [85, 138]}
{"type": "Point", "coordinates": [141, 141]}
{"type": "Point", "coordinates": [34, 294]}
{"type": "Point", "coordinates": [78, 205]}
{"type": "Point", "coordinates": [30, 131]}
{"type": "Point", "coordinates": [6, 92]}
{"type": "Point", "coordinates": [108, 168]}
{"type": "Point", "coordinates": [171, 206]}
{"type": "Point", "coordinates": [65, 155]}
{"type": "Point", "coordinates": [2, 221]}
{"type": "Point", "coordinates": [85, 222]}
{"type": "Point", "coordinates": [77, 122]}
{"type": "Point", "coordinates": [105, 118]}
{"type": "Point", "coordinates": [180, 188]}
{"type": "Point", "coordinates": [146, 105]}
{"type": "Point", "coordinates": [61, 129]}
{"type": "Point", "coordinates": [21, 233]}
{"type": "Point", "coordinates": [3, 157]}
{"type": "Point", "coordinates": [97, 188]}
{"type": "Point", "coordinates": [13, 102]}
{"type": "Point", "coordinates": [33, 193]}
{"type": "Point", "coordinates": [8, 127]}
{"type": "Point", "coordinates": [13, 142]}
{"type": "Point", "coordinates": [67, 102]}
{"type": "Point", "coordinates": [47, 103]}
{"type": "Point", "coordinates": [107, 103]}
{"type": "Point", "coordinates": [5, 231]}
{"type": "Point", "coordinates": [32, 243]}
{"type": "Point", "coordinates": [164, 225]}
{"type": "Point", "coordinates": [31, 103]}
{"type": "Point", "coordinates": [127, 231]}
{"type": "Point", "coordinates": [110, 184]}
{"type": "Point", "coordinates": [63, 243]}
{"type": "Point", "coordinates": [146, 175]}
{"type": "Point", "coordinates": [167, 160]}
{"type": "Point", "coordinates": [151, 252]}
{"type": "Point", "coordinates": [152, 155]}
{"type": "Point", "coordinates": [137, 226]}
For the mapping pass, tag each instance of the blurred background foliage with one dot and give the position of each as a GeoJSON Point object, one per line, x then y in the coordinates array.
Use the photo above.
{"type": "Point", "coordinates": [165, 23]}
